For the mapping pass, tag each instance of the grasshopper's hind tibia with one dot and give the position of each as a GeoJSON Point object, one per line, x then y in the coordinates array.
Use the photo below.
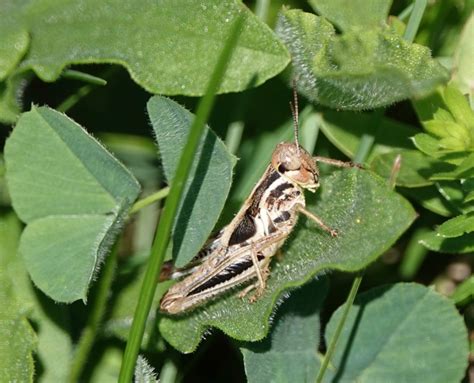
{"type": "Point", "coordinates": [260, 284]}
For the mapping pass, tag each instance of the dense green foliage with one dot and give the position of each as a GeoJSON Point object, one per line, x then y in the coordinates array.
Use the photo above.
{"type": "Point", "coordinates": [83, 226]}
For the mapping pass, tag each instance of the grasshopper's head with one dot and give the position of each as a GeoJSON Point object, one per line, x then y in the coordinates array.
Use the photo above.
{"type": "Point", "coordinates": [296, 164]}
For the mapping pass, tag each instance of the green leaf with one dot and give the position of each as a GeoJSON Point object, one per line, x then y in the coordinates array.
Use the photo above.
{"type": "Point", "coordinates": [355, 70]}
{"type": "Point", "coordinates": [435, 242]}
{"type": "Point", "coordinates": [290, 352]}
{"type": "Point", "coordinates": [393, 333]}
{"type": "Point", "coordinates": [54, 344]}
{"type": "Point", "coordinates": [463, 75]}
{"type": "Point", "coordinates": [347, 14]}
{"type": "Point", "coordinates": [416, 168]}
{"type": "Point", "coordinates": [457, 226]}
{"type": "Point", "coordinates": [454, 193]}
{"type": "Point", "coordinates": [427, 144]}
{"type": "Point", "coordinates": [430, 198]}
{"type": "Point", "coordinates": [162, 50]}
{"type": "Point", "coordinates": [15, 39]}
{"type": "Point", "coordinates": [354, 202]}
{"type": "Point", "coordinates": [210, 177]}
{"type": "Point", "coordinates": [464, 293]}
{"type": "Point", "coordinates": [459, 106]}
{"type": "Point", "coordinates": [11, 91]}
{"type": "Point", "coordinates": [17, 338]}
{"type": "Point", "coordinates": [345, 130]}
{"type": "Point", "coordinates": [72, 194]}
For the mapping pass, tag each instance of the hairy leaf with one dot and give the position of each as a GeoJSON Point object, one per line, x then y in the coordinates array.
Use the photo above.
{"type": "Point", "coordinates": [163, 51]}
{"type": "Point", "coordinates": [209, 182]}
{"type": "Point", "coordinates": [290, 352]}
{"type": "Point", "coordinates": [347, 14]}
{"type": "Point", "coordinates": [354, 202]}
{"type": "Point", "coordinates": [15, 39]}
{"type": "Point", "coordinates": [393, 333]}
{"type": "Point", "coordinates": [72, 194]}
{"type": "Point", "coordinates": [355, 70]}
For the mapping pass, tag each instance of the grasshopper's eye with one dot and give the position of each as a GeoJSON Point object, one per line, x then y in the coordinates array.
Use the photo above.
{"type": "Point", "coordinates": [289, 163]}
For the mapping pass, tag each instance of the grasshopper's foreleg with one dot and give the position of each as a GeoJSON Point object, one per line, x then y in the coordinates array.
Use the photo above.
{"type": "Point", "coordinates": [318, 220]}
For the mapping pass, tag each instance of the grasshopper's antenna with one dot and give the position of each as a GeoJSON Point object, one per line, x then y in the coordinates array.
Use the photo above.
{"type": "Point", "coordinates": [295, 112]}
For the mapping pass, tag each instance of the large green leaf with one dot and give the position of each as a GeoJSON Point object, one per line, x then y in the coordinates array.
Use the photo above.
{"type": "Point", "coordinates": [11, 91]}
{"type": "Point", "coordinates": [347, 14]}
{"type": "Point", "coordinates": [74, 196]}
{"type": "Point", "coordinates": [17, 338]}
{"type": "Point", "coordinates": [399, 333]}
{"type": "Point", "coordinates": [209, 182]}
{"type": "Point", "coordinates": [14, 41]}
{"type": "Point", "coordinates": [364, 211]}
{"type": "Point", "coordinates": [290, 352]}
{"type": "Point", "coordinates": [169, 47]}
{"type": "Point", "coordinates": [356, 70]}
{"type": "Point", "coordinates": [54, 345]}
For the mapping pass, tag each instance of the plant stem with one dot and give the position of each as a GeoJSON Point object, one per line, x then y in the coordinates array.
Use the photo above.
{"type": "Point", "coordinates": [89, 333]}
{"type": "Point", "coordinates": [83, 91]}
{"type": "Point", "coordinates": [261, 9]}
{"type": "Point", "coordinates": [340, 326]}
{"type": "Point", "coordinates": [415, 19]}
{"type": "Point", "coordinates": [234, 136]}
{"type": "Point", "coordinates": [73, 99]}
{"type": "Point", "coordinates": [148, 200]}
{"type": "Point", "coordinates": [163, 231]}
{"type": "Point", "coordinates": [406, 12]}
{"type": "Point", "coordinates": [84, 77]}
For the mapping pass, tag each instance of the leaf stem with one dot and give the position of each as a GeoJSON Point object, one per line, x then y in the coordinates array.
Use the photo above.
{"type": "Point", "coordinates": [85, 77]}
{"type": "Point", "coordinates": [403, 15]}
{"type": "Point", "coordinates": [340, 326]}
{"type": "Point", "coordinates": [83, 91]}
{"type": "Point", "coordinates": [89, 333]}
{"type": "Point", "coordinates": [165, 225]}
{"type": "Point", "coordinates": [148, 200]}
{"type": "Point", "coordinates": [261, 9]}
{"type": "Point", "coordinates": [415, 20]}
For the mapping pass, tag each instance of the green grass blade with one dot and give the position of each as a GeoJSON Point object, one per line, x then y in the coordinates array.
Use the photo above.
{"type": "Point", "coordinates": [166, 222]}
{"type": "Point", "coordinates": [340, 326]}
{"type": "Point", "coordinates": [415, 19]}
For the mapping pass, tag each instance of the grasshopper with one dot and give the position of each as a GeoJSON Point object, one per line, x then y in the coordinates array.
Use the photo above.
{"type": "Point", "coordinates": [242, 251]}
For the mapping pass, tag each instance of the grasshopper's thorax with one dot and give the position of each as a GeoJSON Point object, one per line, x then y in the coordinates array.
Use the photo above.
{"type": "Point", "coordinates": [297, 165]}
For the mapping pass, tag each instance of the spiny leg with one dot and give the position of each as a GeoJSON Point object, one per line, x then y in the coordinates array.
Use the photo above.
{"type": "Point", "coordinates": [318, 220]}
{"type": "Point", "coordinates": [265, 272]}
{"type": "Point", "coordinates": [253, 255]}
{"type": "Point", "coordinates": [340, 164]}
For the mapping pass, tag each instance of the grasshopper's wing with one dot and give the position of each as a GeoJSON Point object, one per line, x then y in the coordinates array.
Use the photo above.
{"type": "Point", "coordinates": [168, 271]}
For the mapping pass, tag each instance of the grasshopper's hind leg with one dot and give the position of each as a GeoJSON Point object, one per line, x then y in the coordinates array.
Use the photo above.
{"type": "Point", "coordinates": [262, 271]}
{"type": "Point", "coordinates": [265, 272]}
